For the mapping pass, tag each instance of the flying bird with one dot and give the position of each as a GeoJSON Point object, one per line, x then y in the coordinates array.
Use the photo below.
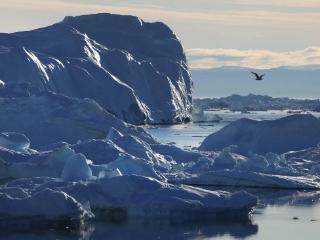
{"type": "Point", "coordinates": [258, 77]}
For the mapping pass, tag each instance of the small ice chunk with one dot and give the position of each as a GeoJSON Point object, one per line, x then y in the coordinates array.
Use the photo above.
{"type": "Point", "coordinates": [110, 173]}
{"type": "Point", "coordinates": [76, 169]}
{"type": "Point", "coordinates": [255, 162]}
{"type": "Point", "coordinates": [129, 165]}
{"type": "Point", "coordinates": [2, 84]}
{"type": "Point", "coordinates": [59, 157]}
{"type": "Point", "coordinates": [225, 159]}
{"type": "Point", "coordinates": [14, 141]}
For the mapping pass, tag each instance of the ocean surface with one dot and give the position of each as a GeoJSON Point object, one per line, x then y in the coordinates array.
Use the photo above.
{"type": "Point", "coordinates": [279, 215]}
{"type": "Point", "coordinates": [192, 134]}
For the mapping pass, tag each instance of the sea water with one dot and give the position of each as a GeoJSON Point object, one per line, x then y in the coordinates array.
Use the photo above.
{"type": "Point", "coordinates": [192, 134]}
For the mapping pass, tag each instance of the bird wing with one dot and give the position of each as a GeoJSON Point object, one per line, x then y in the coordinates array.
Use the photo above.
{"type": "Point", "coordinates": [257, 76]}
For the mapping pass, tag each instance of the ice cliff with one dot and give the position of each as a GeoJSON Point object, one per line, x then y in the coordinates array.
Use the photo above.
{"type": "Point", "coordinates": [134, 69]}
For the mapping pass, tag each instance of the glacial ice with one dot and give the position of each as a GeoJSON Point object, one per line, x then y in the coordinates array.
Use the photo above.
{"type": "Point", "coordinates": [47, 203]}
{"type": "Point", "coordinates": [129, 184]}
{"type": "Point", "coordinates": [295, 132]}
{"type": "Point", "coordinates": [134, 69]}
{"type": "Point", "coordinates": [76, 169]}
{"type": "Point", "coordinates": [60, 118]}
{"type": "Point", "coordinates": [129, 165]}
{"type": "Point", "coordinates": [75, 84]}
{"type": "Point", "coordinates": [138, 196]}
{"type": "Point", "coordinates": [131, 178]}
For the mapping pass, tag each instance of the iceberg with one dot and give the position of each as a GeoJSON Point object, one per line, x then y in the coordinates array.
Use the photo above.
{"type": "Point", "coordinates": [62, 206]}
{"type": "Point", "coordinates": [295, 132]}
{"type": "Point", "coordinates": [134, 69]}
{"type": "Point", "coordinates": [132, 196]}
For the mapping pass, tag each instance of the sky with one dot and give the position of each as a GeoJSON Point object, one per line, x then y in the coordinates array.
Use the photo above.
{"type": "Point", "coordinates": [215, 33]}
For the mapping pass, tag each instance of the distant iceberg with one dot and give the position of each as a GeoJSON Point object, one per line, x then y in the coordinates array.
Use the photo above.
{"type": "Point", "coordinates": [290, 133]}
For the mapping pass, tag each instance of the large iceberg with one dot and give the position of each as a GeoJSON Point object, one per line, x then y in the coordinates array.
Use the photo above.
{"type": "Point", "coordinates": [134, 69]}
{"type": "Point", "coordinates": [290, 133]}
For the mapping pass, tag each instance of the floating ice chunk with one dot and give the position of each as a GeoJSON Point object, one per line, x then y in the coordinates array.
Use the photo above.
{"type": "Point", "coordinates": [2, 84]}
{"type": "Point", "coordinates": [129, 165]}
{"type": "Point", "coordinates": [225, 160]}
{"type": "Point", "coordinates": [254, 162]}
{"type": "Point", "coordinates": [137, 147]}
{"type": "Point", "coordinates": [132, 195]}
{"type": "Point", "coordinates": [277, 136]}
{"type": "Point", "coordinates": [107, 173]}
{"type": "Point", "coordinates": [59, 158]}
{"type": "Point", "coordinates": [14, 141]}
{"type": "Point", "coordinates": [142, 196]}
{"type": "Point", "coordinates": [76, 169]}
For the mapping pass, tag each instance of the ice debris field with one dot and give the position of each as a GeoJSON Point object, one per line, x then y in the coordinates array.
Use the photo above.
{"type": "Point", "coordinates": [69, 151]}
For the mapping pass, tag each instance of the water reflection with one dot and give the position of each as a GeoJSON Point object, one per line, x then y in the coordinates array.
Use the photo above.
{"type": "Point", "coordinates": [142, 230]}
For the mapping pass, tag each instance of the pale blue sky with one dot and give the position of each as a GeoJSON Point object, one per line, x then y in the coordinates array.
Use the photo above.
{"type": "Point", "coordinates": [280, 29]}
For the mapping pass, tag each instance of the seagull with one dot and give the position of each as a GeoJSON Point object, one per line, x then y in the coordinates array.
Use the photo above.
{"type": "Point", "coordinates": [258, 77]}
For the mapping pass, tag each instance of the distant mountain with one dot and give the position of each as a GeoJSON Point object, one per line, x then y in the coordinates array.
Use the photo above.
{"type": "Point", "coordinates": [134, 69]}
{"type": "Point", "coordinates": [253, 102]}
{"type": "Point", "coordinates": [294, 82]}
